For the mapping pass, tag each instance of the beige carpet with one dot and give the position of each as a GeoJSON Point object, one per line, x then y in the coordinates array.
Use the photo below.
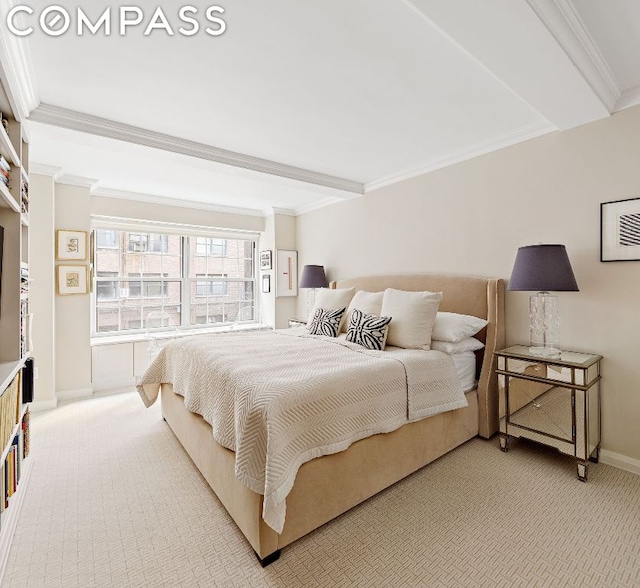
{"type": "Point", "coordinates": [113, 501]}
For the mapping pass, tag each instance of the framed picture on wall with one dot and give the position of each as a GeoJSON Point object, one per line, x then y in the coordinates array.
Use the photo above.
{"type": "Point", "coordinates": [71, 244]}
{"type": "Point", "coordinates": [73, 279]}
{"type": "Point", "coordinates": [620, 230]}
{"type": "Point", "coordinates": [286, 273]}
{"type": "Point", "coordinates": [265, 260]}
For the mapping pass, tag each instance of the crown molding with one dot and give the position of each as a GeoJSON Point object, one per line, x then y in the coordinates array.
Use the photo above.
{"type": "Point", "coordinates": [43, 169]}
{"type": "Point", "coordinates": [568, 29]}
{"type": "Point", "coordinates": [78, 181]}
{"type": "Point", "coordinates": [166, 201]}
{"type": "Point", "coordinates": [17, 71]}
{"type": "Point", "coordinates": [629, 98]}
{"type": "Point", "coordinates": [94, 125]}
{"type": "Point", "coordinates": [276, 210]}
{"type": "Point", "coordinates": [518, 136]}
{"type": "Point", "coordinates": [319, 204]}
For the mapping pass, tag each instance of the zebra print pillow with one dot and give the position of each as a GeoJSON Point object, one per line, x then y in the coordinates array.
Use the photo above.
{"type": "Point", "coordinates": [326, 322]}
{"type": "Point", "coordinates": [368, 330]}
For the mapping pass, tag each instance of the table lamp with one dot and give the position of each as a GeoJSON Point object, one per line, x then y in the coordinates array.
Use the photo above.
{"type": "Point", "coordinates": [313, 277]}
{"type": "Point", "coordinates": [543, 269]}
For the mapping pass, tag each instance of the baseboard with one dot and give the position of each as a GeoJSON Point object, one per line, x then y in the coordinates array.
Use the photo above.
{"type": "Point", "coordinates": [112, 391]}
{"type": "Point", "coordinates": [11, 514]}
{"type": "Point", "coordinates": [74, 394]}
{"type": "Point", "coordinates": [620, 461]}
{"type": "Point", "coordinates": [42, 405]}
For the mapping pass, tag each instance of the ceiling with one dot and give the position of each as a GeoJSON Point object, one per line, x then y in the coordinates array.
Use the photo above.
{"type": "Point", "coordinates": [298, 105]}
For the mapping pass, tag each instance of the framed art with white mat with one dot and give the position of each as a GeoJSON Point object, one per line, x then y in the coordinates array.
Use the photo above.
{"type": "Point", "coordinates": [620, 230]}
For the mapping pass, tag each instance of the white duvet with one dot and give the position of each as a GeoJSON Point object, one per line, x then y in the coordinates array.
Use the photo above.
{"type": "Point", "coordinates": [281, 398]}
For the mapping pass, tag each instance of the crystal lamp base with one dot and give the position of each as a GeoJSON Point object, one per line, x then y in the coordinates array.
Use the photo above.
{"type": "Point", "coordinates": [544, 325]}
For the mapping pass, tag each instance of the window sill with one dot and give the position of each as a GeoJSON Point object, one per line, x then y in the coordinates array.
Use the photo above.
{"type": "Point", "coordinates": [136, 337]}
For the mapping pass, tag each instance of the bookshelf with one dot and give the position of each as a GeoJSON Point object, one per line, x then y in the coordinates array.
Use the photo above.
{"type": "Point", "coordinates": [16, 363]}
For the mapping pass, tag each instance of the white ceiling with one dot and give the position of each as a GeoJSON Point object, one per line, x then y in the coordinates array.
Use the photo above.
{"type": "Point", "coordinates": [320, 101]}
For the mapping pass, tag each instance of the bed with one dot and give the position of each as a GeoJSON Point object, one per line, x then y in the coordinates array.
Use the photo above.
{"type": "Point", "coordinates": [329, 485]}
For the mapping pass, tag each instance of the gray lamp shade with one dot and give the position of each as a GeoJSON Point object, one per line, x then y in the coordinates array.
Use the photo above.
{"type": "Point", "coordinates": [313, 276]}
{"type": "Point", "coordinates": [543, 268]}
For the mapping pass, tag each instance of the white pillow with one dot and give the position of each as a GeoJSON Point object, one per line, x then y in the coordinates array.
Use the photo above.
{"type": "Point", "coordinates": [366, 302]}
{"type": "Point", "coordinates": [333, 300]}
{"type": "Point", "coordinates": [468, 344]}
{"type": "Point", "coordinates": [453, 327]}
{"type": "Point", "coordinates": [413, 315]}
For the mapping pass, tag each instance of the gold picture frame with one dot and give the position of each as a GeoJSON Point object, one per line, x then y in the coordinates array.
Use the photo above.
{"type": "Point", "coordinates": [71, 245]}
{"type": "Point", "coordinates": [72, 279]}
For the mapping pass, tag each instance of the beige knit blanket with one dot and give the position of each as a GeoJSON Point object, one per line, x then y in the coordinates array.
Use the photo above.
{"type": "Point", "coordinates": [281, 398]}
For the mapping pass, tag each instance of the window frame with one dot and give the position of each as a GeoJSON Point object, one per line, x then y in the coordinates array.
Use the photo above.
{"type": "Point", "coordinates": [185, 281]}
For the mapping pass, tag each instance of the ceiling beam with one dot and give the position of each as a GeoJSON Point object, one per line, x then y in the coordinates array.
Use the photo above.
{"type": "Point", "coordinates": [94, 125]}
{"type": "Point", "coordinates": [511, 42]}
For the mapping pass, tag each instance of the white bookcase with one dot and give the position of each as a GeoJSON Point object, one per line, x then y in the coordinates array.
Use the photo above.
{"type": "Point", "coordinates": [15, 320]}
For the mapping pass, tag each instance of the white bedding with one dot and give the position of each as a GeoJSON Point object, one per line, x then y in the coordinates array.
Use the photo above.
{"type": "Point", "coordinates": [281, 398]}
{"type": "Point", "coordinates": [465, 364]}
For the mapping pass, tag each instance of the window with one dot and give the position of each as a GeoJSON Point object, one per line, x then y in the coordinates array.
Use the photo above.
{"type": "Point", "coordinates": [148, 289]}
{"type": "Point", "coordinates": [210, 287]}
{"type": "Point", "coordinates": [192, 280]}
{"type": "Point", "coordinates": [107, 240]}
{"type": "Point", "coordinates": [107, 289]}
{"type": "Point", "coordinates": [208, 246]}
{"type": "Point", "coordinates": [148, 243]}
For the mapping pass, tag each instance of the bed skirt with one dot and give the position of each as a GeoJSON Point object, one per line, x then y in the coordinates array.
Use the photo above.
{"type": "Point", "coordinates": [326, 486]}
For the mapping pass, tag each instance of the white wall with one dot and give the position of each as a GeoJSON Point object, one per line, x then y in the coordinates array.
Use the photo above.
{"type": "Point", "coordinates": [470, 218]}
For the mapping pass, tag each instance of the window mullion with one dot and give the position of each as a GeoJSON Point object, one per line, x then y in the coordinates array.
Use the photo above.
{"type": "Point", "coordinates": [186, 284]}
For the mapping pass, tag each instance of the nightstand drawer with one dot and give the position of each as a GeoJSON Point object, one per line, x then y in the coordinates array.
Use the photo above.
{"type": "Point", "coordinates": [579, 376]}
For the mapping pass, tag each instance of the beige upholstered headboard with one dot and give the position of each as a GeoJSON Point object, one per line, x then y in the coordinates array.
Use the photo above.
{"type": "Point", "coordinates": [481, 297]}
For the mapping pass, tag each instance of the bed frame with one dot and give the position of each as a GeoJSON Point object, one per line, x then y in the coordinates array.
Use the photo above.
{"type": "Point", "coordinates": [330, 485]}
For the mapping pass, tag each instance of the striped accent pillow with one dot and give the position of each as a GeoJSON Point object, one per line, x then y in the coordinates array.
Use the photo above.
{"type": "Point", "coordinates": [368, 330]}
{"type": "Point", "coordinates": [326, 322]}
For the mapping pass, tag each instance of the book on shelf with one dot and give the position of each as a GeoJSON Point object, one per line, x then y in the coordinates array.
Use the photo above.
{"type": "Point", "coordinates": [24, 194]}
{"type": "Point", "coordinates": [4, 164]}
{"type": "Point", "coordinates": [25, 432]}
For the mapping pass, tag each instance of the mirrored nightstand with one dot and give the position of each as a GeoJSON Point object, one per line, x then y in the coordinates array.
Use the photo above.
{"type": "Point", "coordinates": [551, 400]}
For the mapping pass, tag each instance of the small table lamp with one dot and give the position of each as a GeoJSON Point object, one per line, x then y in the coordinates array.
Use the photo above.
{"type": "Point", "coordinates": [313, 277]}
{"type": "Point", "coordinates": [543, 268]}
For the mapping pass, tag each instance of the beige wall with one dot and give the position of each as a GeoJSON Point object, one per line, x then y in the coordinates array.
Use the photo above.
{"type": "Point", "coordinates": [470, 218]}
{"type": "Point", "coordinates": [72, 313]}
{"type": "Point", "coordinates": [42, 294]}
{"type": "Point", "coordinates": [285, 238]}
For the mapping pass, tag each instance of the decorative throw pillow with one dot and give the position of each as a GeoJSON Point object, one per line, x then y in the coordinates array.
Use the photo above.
{"type": "Point", "coordinates": [333, 299]}
{"type": "Point", "coordinates": [326, 322]}
{"type": "Point", "coordinates": [368, 330]}
{"type": "Point", "coordinates": [367, 302]}
{"type": "Point", "coordinates": [413, 316]}
{"type": "Point", "coordinates": [454, 327]}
